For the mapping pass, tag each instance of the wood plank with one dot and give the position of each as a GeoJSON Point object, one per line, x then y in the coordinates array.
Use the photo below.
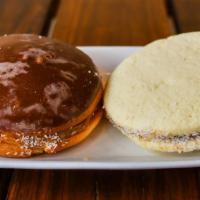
{"type": "Point", "coordinates": [5, 175]}
{"type": "Point", "coordinates": [179, 184]}
{"type": "Point", "coordinates": [176, 184]}
{"type": "Point", "coordinates": [109, 22]}
{"type": "Point", "coordinates": [186, 14]}
{"type": "Point", "coordinates": [22, 16]}
{"type": "Point", "coordinates": [52, 185]}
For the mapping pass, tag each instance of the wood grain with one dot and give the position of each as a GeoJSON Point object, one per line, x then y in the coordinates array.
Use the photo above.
{"type": "Point", "coordinates": [179, 184]}
{"type": "Point", "coordinates": [5, 175]}
{"type": "Point", "coordinates": [22, 16]}
{"type": "Point", "coordinates": [186, 14]}
{"type": "Point", "coordinates": [112, 22]}
{"type": "Point", "coordinates": [52, 185]}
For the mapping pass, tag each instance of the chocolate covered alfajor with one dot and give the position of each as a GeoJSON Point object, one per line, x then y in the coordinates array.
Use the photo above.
{"type": "Point", "coordinates": [50, 95]}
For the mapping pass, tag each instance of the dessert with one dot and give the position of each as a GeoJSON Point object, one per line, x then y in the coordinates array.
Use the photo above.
{"type": "Point", "coordinates": [50, 95]}
{"type": "Point", "coordinates": [153, 96]}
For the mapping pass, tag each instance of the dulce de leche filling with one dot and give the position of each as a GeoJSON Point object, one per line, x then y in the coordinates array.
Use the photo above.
{"type": "Point", "coordinates": [43, 83]}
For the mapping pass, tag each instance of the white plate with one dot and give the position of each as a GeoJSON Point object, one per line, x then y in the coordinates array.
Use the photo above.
{"type": "Point", "coordinates": [106, 148]}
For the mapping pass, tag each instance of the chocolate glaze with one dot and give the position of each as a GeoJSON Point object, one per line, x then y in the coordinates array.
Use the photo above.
{"type": "Point", "coordinates": [43, 83]}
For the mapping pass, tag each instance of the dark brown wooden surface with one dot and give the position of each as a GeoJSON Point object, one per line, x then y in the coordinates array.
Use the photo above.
{"type": "Point", "coordinates": [187, 14]}
{"type": "Point", "coordinates": [99, 22]}
{"type": "Point", "coordinates": [5, 177]}
{"type": "Point", "coordinates": [52, 185]}
{"type": "Point", "coordinates": [23, 16]}
{"type": "Point", "coordinates": [179, 184]}
{"type": "Point", "coordinates": [112, 22]}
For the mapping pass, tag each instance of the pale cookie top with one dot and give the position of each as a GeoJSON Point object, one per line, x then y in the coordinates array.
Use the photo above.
{"type": "Point", "coordinates": [157, 90]}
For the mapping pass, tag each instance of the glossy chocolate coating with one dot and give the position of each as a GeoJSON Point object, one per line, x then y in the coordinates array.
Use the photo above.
{"type": "Point", "coordinates": [43, 83]}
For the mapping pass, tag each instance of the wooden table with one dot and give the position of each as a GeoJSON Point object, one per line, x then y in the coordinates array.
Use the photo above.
{"type": "Point", "coordinates": [100, 22]}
